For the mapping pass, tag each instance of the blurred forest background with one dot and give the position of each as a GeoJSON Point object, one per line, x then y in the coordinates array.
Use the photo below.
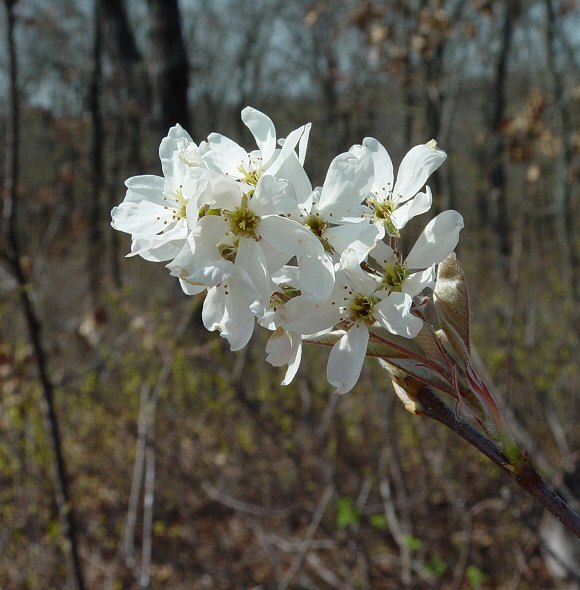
{"type": "Point", "coordinates": [188, 466]}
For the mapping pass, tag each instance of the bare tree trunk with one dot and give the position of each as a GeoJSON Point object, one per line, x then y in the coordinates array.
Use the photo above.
{"type": "Point", "coordinates": [168, 66]}
{"type": "Point", "coordinates": [496, 174]}
{"type": "Point", "coordinates": [121, 39]}
{"type": "Point", "coordinates": [61, 491]}
{"type": "Point", "coordinates": [435, 97]}
{"type": "Point", "coordinates": [135, 92]}
{"type": "Point", "coordinates": [117, 140]}
{"type": "Point", "coordinates": [95, 232]}
{"type": "Point", "coordinates": [326, 72]}
{"type": "Point", "coordinates": [562, 176]}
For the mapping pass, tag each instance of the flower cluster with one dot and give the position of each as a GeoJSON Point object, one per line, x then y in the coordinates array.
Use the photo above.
{"type": "Point", "coordinates": [249, 229]}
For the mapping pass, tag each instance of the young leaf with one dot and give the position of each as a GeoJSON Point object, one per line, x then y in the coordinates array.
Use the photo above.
{"type": "Point", "coordinates": [422, 374]}
{"type": "Point", "coordinates": [452, 304]}
{"type": "Point", "coordinates": [383, 344]}
{"type": "Point", "coordinates": [427, 340]}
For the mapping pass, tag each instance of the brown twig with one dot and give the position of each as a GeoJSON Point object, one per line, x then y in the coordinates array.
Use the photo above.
{"type": "Point", "coordinates": [144, 469]}
{"type": "Point", "coordinates": [62, 495]}
{"type": "Point", "coordinates": [305, 545]}
{"type": "Point", "coordinates": [526, 475]}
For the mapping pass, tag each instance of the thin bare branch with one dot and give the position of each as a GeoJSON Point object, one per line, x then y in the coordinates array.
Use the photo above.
{"type": "Point", "coordinates": [305, 547]}
{"type": "Point", "coordinates": [62, 494]}
{"type": "Point", "coordinates": [525, 475]}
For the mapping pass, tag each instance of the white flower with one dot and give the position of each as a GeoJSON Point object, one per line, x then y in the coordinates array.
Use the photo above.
{"type": "Point", "coordinates": [247, 230]}
{"type": "Point", "coordinates": [394, 203]}
{"type": "Point", "coordinates": [224, 155]}
{"type": "Point", "coordinates": [335, 214]}
{"type": "Point", "coordinates": [178, 150]}
{"type": "Point", "coordinates": [155, 212]}
{"type": "Point", "coordinates": [293, 316]}
{"type": "Point", "coordinates": [285, 348]}
{"type": "Point", "coordinates": [361, 303]}
{"type": "Point", "coordinates": [417, 272]}
{"type": "Point", "coordinates": [227, 308]}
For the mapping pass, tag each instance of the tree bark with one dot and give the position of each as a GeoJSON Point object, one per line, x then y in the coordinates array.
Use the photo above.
{"type": "Point", "coordinates": [121, 39]}
{"type": "Point", "coordinates": [95, 231]}
{"type": "Point", "coordinates": [131, 93]}
{"type": "Point", "coordinates": [61, 489]}
{"type": "Point", "coordinates": [562, 175]}
{"type": "Point", "coordinates": [496, 174]}
{"type": "Point", "coordinates": [168, 66]}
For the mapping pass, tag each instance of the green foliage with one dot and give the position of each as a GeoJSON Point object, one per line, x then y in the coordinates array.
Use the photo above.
{"type": "Point", "coordinates": [413, 543]}
{"type": "Point", "coordinates": [436, 565]}
{"type": "Point", "coordinates": [475, 577]}
{"type": "Point", "coordinates": [347, 513]}
{"type": "Point", "coordinates": [379, 521]}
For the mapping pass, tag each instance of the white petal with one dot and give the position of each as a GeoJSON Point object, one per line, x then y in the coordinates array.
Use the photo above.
{"type": "Point", "coordinates": [239, 327]}
{"type": "Point", "coordinates": [170, 145]}
{"type": "Point", "coordinates": [160, 247]}
{"type": "Point", "coordinates": [357, 237]}
{"type": "Point", "coordinates": [383, 166]}
{"type": "Point", "coordinates": [316, 275]}
{"type": "Point", "coordinates": [142, 219]}
{"type": "Point", "coordinates": [360, 281]}
{"type": "Point", "coordinates": [292, 171]}
{"type": "Point", "coordinates": [145, 188]}
{"type": "Point", "coordinates": [226, 308]}
{"type": "Point", "coordinates": [347, 183]}
{"type": "Point", "coordinates": [210, 229]}
{"type": "Point", "coordinates": [438, 240]}
{"type": "Point", "coordinates": [274, 197]}
{"type": "Point", "coordinates": [190, 289]}
{"type": "Point", "coordinates": [211, 275]}
{"type": "Point", "coordinates": [383, 254]}
{"type": "Point", "coordinates": [262, 129]}
{"type": "Point", "coordinates": [307, 315]}
{"type": "Point", "coordinates": [213, 310]}
{"type": "Point", "coordinates": [393, 313]}
{"type": "Point", "coordinates": [289, 236]}
{"type": "Point", "coordinates": [303, 144]}
{"type": "Point", "coordinates": [294, 363]}
{"type": "Point", "coordinates": [413, 207]}
{"type": "Point", "coordinates": [251, 258]}
{"type": "Point", "coordinates": [346, 359]}
{"type": "Point", "coordinates": [222, 194]}
{"type": "Point", "coordinates": [416, 167]}
{"type": "Point", "coordinates": [275, 258]}
{"type": "Point", "coordinates": [419, 281]}
{"type": "Point", "coordinates": [287, 150]}
{"type": "Point", "coordinates": [224, 155]}
{"type": "Point", "coordinates": [155, 252]}
{"type": "Point", "coordinates": [178, 132]}
{"type": "Point", "coordinates": [285, 348]}
{"type": "Point", "coordinates": [286, 275]}
{"type": "Point", "coordinates": [279, 348]}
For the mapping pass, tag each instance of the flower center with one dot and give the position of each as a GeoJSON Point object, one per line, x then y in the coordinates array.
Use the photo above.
{"type": "Point", "coordinates": [383, 211]}
{"type": "Point", "coordinates": [177, 203]}
{"type": "Point", "coordinates": [181, 203]}
{"type": "Point", "coordinates": [361, 308]}
{"type": "Point", "coordinates": [394, 276]}
{"type": "Point", "coordinates": [318, 226]}
{"type": "Point", "coordinates": [250, 177]}
{"type": "Point", "coordinates": [243, 221]}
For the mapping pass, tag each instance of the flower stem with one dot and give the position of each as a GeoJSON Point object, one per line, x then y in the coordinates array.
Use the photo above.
{"type": "Point", "coordinates": [524, 474]}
